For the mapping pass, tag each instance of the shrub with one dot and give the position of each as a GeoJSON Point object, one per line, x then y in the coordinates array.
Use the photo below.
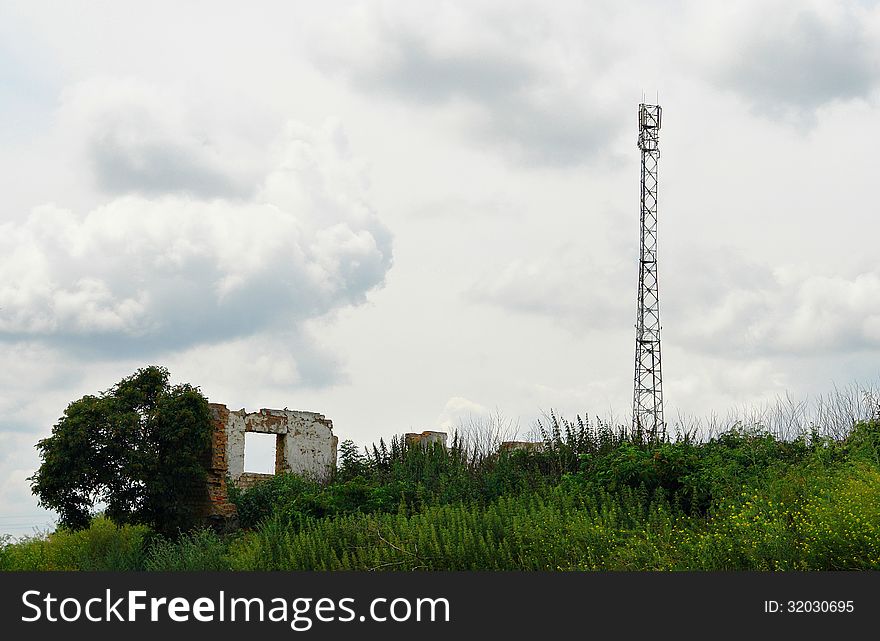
{"type": "Point", "coordinates": [201, 549]}
{"type": "Point", "coordinates": [101, 546]}
{"type": "Point", "coordinates": [287, 493]}
{"type": "Point", "coordinates": [863, 442]}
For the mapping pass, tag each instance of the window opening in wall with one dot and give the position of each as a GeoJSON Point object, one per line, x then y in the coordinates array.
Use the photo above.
{"type": "Point", "coordinates": [259, 452]}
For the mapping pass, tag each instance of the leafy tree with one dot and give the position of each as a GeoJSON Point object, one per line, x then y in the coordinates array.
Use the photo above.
{"type": "Point", "coordinates": [141, 448]}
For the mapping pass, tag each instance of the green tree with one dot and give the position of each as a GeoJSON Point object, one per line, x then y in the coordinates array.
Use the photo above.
{"type": "Point", "coordinates": [352, 462]}
{"type": "Point", "coordinates": [141, 449]}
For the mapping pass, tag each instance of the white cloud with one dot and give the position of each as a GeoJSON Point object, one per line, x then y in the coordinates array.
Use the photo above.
{"type": "Point", "coordinates": [143, 138]}
{"type": "Point", "coordinates": [790, 58]}
{"type": "Point", "coordinates": [262, 368]}
{"type": "Point", "coordinates": [790, 312]}
{"type": "Point", "coordinates": [166, 267]}
{"type": "Point", "coordinates": [719, 302]}
{"type": "Point", "coordinates": [458, 410]}
{"type": "Point", "coordinates": [19, 518]}
{"type": "Point", "coordinates": [704, 387]}
{"type": "Point", "coordinates": [531, 86]}
{"type": "Point", "coordinates": [570, 285]}
{"type": "Point", "coordinates": [26, 369]}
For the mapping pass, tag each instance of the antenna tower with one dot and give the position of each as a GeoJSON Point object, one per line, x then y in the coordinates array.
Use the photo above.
{"type": "Point", "coordinates": [648, 384]}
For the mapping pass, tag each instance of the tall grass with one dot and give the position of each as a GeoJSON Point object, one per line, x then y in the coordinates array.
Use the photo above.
{"type": "Point", "coordinates": [597, 498]}
{"type": "Point", "coordinates": [103, 546]}
{"type": "Point", "coordinates": [201, 549]}
{"type": "Point", "coordinates": [831, 522]}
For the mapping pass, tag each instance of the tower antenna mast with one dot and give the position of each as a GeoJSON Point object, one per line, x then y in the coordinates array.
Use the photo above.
{"type": "Point", "coordinates": [648, 382]}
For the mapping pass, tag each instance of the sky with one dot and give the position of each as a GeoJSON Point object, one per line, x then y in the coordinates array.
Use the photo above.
{"type": "Point", "coordinates": [409, 215]}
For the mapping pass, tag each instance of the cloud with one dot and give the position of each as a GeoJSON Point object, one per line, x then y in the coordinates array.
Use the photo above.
{"type": "Point", "coordinates": [537, 101]}
{"type": "Point", "coordinates": [20, 518]}
{"type": "Point", "coordinates": [712, 302]}
{"type": "Point", "coordinates": [469, 209]}
{"type": "Point", "coordinates": [35, 383]}
{"type": "Point", "coordinates": [259, 364]}
{"type": "Point", "coordinates": [704, 387]}
{"type": "Point", "coordinates": [572, 286]}
{"type": "Point", "coordinates": [794, 57]}
{"type": "Point", "coordinates": [162, 267]}
{"type": "Point", "coordinates": [457, 410]}
{"type": "Point", "coordinates": [25, 369]}
{"type": "Point", "coordinates": [143, 138]}
{"type": "Point", "coordinates": [778, 311]}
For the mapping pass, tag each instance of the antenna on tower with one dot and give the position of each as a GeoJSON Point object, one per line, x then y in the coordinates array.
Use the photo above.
{"type": "Point", "coordinates": [648, 380]}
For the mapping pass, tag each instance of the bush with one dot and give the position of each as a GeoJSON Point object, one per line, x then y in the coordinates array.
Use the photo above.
{"type": "Point", "coordinates": [200, 549]}
{"type": "Point", "coordinates": [808, 519]}
{"type": "Point", "coordinates": [289, 494]}
{"type": "Point", "coordinates": [102, 546]}
{"type": "Point", "coordinates": [863, 442]}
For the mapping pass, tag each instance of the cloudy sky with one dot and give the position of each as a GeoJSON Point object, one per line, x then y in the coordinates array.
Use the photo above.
{"type": "Point", "coordinates": [408, 214]}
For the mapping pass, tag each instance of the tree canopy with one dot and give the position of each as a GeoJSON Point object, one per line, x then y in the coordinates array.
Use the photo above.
{"type": "Point", "coordinates": [136, 448]}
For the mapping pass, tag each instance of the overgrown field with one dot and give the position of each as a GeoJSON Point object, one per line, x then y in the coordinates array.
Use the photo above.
{"type": "Point", "coordinates": [595, 499]}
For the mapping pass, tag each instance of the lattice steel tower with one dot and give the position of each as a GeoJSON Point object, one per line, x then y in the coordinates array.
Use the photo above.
{"type": "Point", "coordinates": [648, 385]}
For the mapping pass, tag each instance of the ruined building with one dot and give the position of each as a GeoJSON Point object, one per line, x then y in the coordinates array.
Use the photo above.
{"type": "Point", "coordinates": [304, 444]}
{"type": "Point", "coordinates": [524, 446]}
{"type": "Point", "coordinates": [425, 439]}
{"type": "Point", "coordinates": [428, 438]}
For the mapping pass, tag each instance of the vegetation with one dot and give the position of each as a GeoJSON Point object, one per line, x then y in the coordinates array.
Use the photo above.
{"type": "Point", "coordinates": [133, 448]}
{"type": "Point", "coordinates": [595, 499]}
{"type": "Point", "coordinates": [102, 546]}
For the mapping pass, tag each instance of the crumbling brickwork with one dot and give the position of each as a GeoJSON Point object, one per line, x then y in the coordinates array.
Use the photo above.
{"type": "Point", "coordinates": [425, 439]}
{"type": "Point", "coordinates": [249, 479]}
{"type": "Point", "coordinates": [218, 512]}
{"type": "Point", "coordinates": [304, 444]}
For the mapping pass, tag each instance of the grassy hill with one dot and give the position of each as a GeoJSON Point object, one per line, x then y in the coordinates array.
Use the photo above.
{"type": "Point", "coordinates": [595, 499]}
